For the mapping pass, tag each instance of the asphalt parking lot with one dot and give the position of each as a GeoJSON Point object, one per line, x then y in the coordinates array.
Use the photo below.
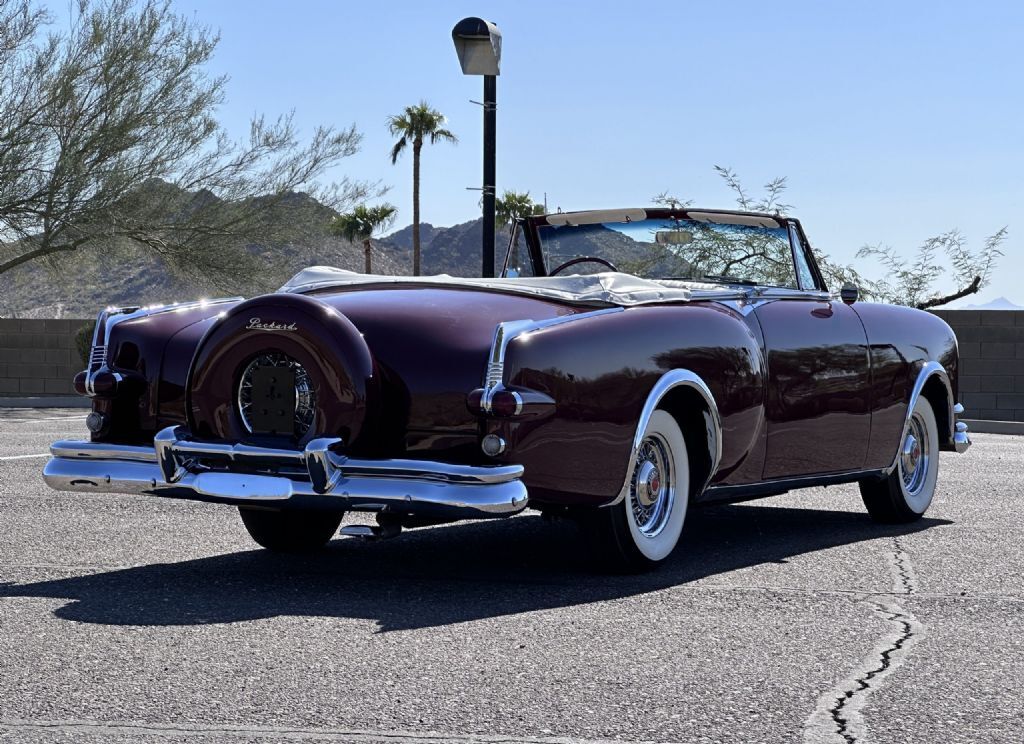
{"type": "Point", "coordinates": [134, 619]}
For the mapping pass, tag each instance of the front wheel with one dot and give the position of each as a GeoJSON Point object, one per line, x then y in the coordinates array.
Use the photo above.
{"type": "Point", "coordinates": [290, 531]}
{"type": "Point", "coordinates": [906, 493]}
{"type": "Point", "coordinates": [643, 529]}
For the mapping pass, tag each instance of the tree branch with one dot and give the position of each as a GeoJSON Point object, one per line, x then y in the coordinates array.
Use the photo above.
{"type": "Point", "coordinates": [37, 253]}
{"type": "Point", "coordinates": [936, 301]}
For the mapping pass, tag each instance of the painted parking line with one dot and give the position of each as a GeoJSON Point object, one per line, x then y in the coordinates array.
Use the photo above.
{"type": "Point", "coordinates": [47, 418]}
{"type": "Point", "coordinates": [23, 457]}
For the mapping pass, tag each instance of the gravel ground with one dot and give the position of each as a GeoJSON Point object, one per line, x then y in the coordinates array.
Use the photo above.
{"type": "Point", "coordinates": [133, 619]}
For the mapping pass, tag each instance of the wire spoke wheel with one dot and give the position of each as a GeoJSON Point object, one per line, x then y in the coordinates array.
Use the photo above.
{"type": "Point", "coordinates": [305, 395]}
{"type": "Point", "coordinates": [914, 456]}
{"type": "Point", "coordinates": [652, 492]}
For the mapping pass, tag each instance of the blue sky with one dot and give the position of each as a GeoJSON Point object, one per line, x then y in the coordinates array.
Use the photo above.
{"type": "Point", "coordinates": [892, 121]}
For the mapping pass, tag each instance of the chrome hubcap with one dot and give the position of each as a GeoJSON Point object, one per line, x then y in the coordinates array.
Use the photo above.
{"type": "Point", "coordinates": [914, 456]}
{"type": "Point", "coordinates": [648, 483]}
{"type": "Point", "coordinates": [652, 492]}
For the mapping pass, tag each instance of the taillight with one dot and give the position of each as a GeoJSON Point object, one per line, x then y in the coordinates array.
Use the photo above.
{"type": "Point", "coordinates": [505, 402]}
{"type": "Point", "coordinates": [109, 384]}
{"type": "Point", "coordinates": [105, 382]}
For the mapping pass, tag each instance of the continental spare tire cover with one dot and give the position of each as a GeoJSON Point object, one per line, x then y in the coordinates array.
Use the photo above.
{"type": "Point", "coordinates": [281, 365]}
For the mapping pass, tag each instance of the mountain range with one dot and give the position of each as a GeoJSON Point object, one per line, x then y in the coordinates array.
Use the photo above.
{"type": "Point", "coordinates": [122, 273]}
{"type": "Point", "coordinates": [78, 284]}
{"type": "Point", "coordinates": [999, 303]}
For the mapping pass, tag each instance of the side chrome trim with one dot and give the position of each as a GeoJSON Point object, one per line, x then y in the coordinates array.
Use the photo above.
{"type": "Point", "coordinates": [782, 485]}
{"type": "Point", "coordinates": [112, 316]}
{"type": "Point", "coordinates": [507, 332]}
{"type": "Point", "coordinates": [712, 418]}
{"type": "Point", "coordinates": [747, 301]}
{"type": "Point", "coordinates": [786, 293]}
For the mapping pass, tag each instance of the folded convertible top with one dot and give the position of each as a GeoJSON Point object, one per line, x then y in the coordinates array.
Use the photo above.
{"type": "Point", "coordinates": [605, 289]}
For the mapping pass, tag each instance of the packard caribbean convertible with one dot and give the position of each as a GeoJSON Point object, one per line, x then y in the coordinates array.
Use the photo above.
{"type": "Point", "coordinates": [627, 364]}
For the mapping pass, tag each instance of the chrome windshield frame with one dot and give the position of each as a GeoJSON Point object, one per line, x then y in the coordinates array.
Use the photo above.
{"type": "Point", "coordinates": [530, 227]}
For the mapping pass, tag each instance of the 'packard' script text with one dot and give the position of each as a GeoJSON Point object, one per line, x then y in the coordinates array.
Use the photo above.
{"type": "Point", "coordinates": [255, 324]}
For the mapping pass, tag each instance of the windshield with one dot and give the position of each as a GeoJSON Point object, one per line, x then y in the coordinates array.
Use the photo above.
{"type": "Point", "coordinates": [671, 248]}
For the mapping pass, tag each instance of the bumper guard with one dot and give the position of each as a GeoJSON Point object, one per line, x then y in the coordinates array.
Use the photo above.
{"type": "Point", "coordinates": [961, 439]}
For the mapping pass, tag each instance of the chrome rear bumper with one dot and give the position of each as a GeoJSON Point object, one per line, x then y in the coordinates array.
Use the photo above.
{"type": "Point", "coordinates": [178, 466]}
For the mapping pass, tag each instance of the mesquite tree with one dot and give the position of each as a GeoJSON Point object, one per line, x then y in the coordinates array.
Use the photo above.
{"type": "Point", "coordinates": [910, 281]}
{"type": "Point", "coordinates": [108, 137]}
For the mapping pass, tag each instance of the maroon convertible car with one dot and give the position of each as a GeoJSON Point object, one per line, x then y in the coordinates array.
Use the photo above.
{"type": "Point", "coordinates": [626, 364]}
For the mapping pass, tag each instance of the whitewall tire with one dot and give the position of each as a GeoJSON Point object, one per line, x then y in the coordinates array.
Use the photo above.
{"type": "Point", "coordinates": [908, 490]}
{"type": "Point", "coordinates": [644, 528]}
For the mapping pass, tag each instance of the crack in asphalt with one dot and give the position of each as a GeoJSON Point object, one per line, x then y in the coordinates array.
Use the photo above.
{"type": "Point", "coordinates": [837, 717]}
{"type": "Point", "coordinates": [848, 721]}
{"type": "Point", "coordinates": [905, 579]}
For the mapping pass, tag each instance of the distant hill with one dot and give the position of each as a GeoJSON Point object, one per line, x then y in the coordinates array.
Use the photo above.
{"type": "Point", "coordinates": [456, 250]}
{"type": "Point", "coordinates": [402, 239]}
{"type": "Point", "coordinates": [120, 273]}
{"type": "Point", "coordinates": [999, 303]}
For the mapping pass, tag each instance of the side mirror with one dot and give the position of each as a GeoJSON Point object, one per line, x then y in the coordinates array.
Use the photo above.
{"type": "Point", "coordinates": [849, 293]}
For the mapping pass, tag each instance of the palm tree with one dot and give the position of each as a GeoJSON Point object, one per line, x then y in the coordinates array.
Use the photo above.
{"type": "Point", "coordinates": [513, 205]}
{"type": "Point", "coordinates": [509, 207]}
{"type": "Point", "coordinates": [416, 124]}
{"type": "Point", "coordinates": [361, 223]}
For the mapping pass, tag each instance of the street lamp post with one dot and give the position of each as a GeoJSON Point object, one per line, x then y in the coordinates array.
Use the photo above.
{"type": "Point", "coordinates": [478, 44]}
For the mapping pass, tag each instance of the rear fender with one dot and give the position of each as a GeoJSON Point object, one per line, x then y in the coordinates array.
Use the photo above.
{"type": "Point", "coordinates": [707, 442]}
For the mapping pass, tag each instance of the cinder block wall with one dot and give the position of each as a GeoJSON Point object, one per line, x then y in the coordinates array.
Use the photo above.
{"type": "Point", "coordinates": [992, 362]}
{"type": "Point", "coordinates": [39, 357]}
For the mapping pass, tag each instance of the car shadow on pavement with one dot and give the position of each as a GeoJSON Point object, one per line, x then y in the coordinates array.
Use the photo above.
{"type": "Point", "coordinates": [443, 575]}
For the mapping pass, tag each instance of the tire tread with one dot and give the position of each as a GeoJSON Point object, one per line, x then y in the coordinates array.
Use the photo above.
{"type": "Point", "coordinates": [290, 531]}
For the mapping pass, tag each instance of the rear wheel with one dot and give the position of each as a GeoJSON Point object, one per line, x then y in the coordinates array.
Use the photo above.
{"type": "Point", "coordinates": [290, 531]}
{"type": "Point", "coordinates": [907, 492]}
{"type": "Point", "coordinates": [644, 528]}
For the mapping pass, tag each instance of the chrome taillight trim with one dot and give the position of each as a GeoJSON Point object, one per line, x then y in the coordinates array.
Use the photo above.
{"type": "Point", "coordinates": [507, 332]}
{"type": "Point", "coordinates": [111, 316]}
